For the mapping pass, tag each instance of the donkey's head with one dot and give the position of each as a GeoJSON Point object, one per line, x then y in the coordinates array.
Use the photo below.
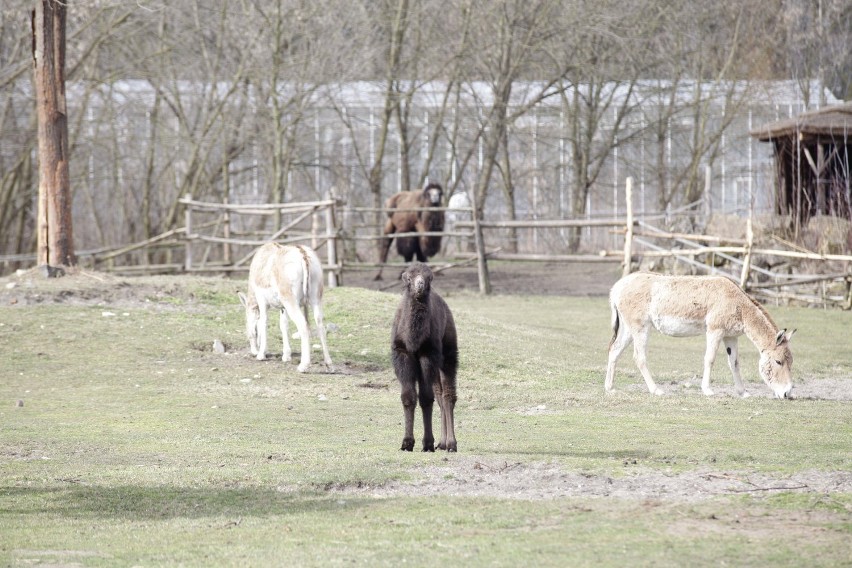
{"type": "Point", "coordinates": [252, 314]}
{"type": "Point", "coordinates": [776, 365]}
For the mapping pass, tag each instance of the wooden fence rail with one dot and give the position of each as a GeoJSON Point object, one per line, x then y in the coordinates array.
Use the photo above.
{"type": "Point", "coordinates": [642, 240]}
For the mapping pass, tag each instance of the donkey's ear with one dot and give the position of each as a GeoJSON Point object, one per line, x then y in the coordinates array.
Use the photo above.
{"type": "Point", "coordinates": [779, 337]}
{"type": "Point", "coordinates": [243, 299]}
{"type": "Point", "coordinates": [789, 335]}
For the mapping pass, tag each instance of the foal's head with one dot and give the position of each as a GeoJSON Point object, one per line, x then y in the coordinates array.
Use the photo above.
{"type": "Point", "coordinates": [417, 280]}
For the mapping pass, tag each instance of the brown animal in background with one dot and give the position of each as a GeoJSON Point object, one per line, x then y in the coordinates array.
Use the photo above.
{"type": "Point", "coordinates": [425, 355]}
{"type": "Point", "coordinates": [421, 247]}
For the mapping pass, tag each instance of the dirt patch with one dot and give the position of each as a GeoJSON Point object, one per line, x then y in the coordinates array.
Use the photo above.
{"type": "Point", "coordinates": [538, 278]}
{"type": "Point", "coordinates": [84, 287]}
{"type": "Point", "coordinates": [471, 477]}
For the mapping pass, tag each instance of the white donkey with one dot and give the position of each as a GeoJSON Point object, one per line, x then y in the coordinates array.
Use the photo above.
{"type": "Point", "coordinates": [683, 306]}
{"type": "Point", "coordinates": [285, 278]}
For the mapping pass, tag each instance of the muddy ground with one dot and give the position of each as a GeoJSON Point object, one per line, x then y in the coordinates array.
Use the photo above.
{"type": "Point", "coordinates": [538, 278]}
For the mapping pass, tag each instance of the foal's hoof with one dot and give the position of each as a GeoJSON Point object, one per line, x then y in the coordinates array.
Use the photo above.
{"type": "Point", "coordinates": [407, 445]}
{"type": "Point", "coordinates": [658, 391]}
{"type": "Point", "coordinates": [744, 394]}
{"type": "Point", "coordinates": [451, 447]}
{"type": "Point", "coordinates": [707, 392]}
{"type": "Point", "coordinates": [303, 368]}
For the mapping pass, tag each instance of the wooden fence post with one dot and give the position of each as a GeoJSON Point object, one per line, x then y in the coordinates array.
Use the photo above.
{"type": "Point", "coordinates": [331, 243]}
{"type": "Point", "coordinates": [226, 232]}
{"type": "Point", "coordinates": [747, 259]}
{"type": "Point", "coordinates": [188, 217]}
{"type": "Point", "coordinates": [628, 235]}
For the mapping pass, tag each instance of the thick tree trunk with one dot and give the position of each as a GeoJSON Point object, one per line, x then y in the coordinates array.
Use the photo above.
{"type": "Point", "coordinates": [55, 236]}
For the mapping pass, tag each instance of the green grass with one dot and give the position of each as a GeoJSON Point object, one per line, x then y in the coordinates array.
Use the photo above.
{"type": "Point", "coordinates": [138, 445]}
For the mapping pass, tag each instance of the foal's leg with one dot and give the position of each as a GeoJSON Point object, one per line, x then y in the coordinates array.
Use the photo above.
{"type": "Point", "coordinates": [295, 312]}
{"type": "Point", "coordinates": [318, 320]}
{"type": "Point", "coordinates": [438, 391]}
{"type": "Point", "coordinates": [640, 355]}
{"type": "Point", "coordinates": [408, 373]}
{"type": "Point", "coordinates": [430, 376]}
{"type": "Point", "coordinates": [622, 340]}
{"type": "Point", "coordinates": [734, 364]}
{"type": "Point", "coordinates": [284, 324]}
{"type": "Point", "coordinates": [448, 405]}
{"type": "Point", "coordinates": [713, 341]}
{"type": "Point", "coordinates": [261, 330]}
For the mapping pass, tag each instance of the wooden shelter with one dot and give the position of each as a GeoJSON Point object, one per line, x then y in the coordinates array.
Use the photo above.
{"type": "Point", "coordinates": [812, 157]}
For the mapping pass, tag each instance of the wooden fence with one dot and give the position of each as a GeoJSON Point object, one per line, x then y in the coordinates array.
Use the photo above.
{"type": "Point", "coordinates": [219, 238]}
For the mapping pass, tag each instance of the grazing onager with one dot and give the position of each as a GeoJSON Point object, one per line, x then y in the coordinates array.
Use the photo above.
{"type": "Point", "coordinates": [423, 246]}
{"type": "Point", "coordinates": [285, 278]}
{"type": "Point", "coordinates": [683, 306]}
{"type": "Point", "coordinates": [425, 355]}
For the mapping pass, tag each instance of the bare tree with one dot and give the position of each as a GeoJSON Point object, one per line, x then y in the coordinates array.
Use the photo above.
{"type": "Point", "coordinates": [55, 234]}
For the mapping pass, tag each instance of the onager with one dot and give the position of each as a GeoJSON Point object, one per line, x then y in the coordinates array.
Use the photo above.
{"type": "Point", "coordinates": [421, 247]}
{"type": "Point", "coordinates": [682, 306]}
{"type": "Point", "coordinates": [424, 351]}
{"type": "Point", "coordinates": [286, 278]}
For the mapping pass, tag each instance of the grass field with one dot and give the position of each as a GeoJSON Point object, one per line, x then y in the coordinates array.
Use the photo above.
{"type": "Point", "coordinates": [125, 439]}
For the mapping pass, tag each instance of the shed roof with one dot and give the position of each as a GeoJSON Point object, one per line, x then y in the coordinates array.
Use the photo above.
{"type": "Point", "coordinates": [831, 121]}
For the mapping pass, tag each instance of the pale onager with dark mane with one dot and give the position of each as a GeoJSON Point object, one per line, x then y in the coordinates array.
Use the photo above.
{"type": "Point", "coordinates": [683, 306]}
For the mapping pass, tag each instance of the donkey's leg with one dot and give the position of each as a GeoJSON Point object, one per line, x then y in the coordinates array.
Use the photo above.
{"type": "Point", "coordinates": [261, 330]}
{"type": "Point", "coordinates": [734, 364]}
{"type": "Point", "coordinates": [408, 373]}
{"type": "Point", "coordinates": [384, 246]}
{"type": "Point", "coordinates": [295, 312]}
{"type": "Point", "coordinates": [284, 324]}
{"type": "Point", "coordinates": [713, 341]}
{"type": "Point", "coordinates": [640, 356]}
{"type": "Point", "coordinates": [318, 320]}
{"type": "Point", "coordinates": [619, 344]}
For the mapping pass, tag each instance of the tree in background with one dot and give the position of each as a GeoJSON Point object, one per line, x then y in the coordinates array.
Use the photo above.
{"type": "Point", "coordinates": [55, 235]}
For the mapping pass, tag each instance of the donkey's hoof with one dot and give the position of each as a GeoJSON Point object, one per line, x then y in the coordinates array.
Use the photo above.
{"type": "Point", "coordinates": [744, 394]}
{"type": "Point", "coordinates": [303, 367]}
{"type": "Point", "coordinates": [260, 357]}
{"type": "Point", "coordinates": [452, 447]}
{"type": "Point", "coordinates": [658, 391]}
{"type": "Point", "coordinates": [707, 392]}
{"type": "Point", "coordinates": [286, 358]}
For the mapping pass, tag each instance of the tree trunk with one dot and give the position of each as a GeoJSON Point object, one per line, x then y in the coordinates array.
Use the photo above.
{"type": "Point", "coordinates": [55, 237]}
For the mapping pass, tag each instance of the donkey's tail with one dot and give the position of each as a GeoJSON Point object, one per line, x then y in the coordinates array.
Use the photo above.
{"type": "Point", "coordinates": [615, 322]}
{"type": "Point", "coordinates": [306, 272]}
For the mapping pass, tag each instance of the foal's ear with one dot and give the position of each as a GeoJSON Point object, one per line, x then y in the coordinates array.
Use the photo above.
{"type": "Point", "coordinates": [789, 335]}
{"type": "Point", "coordinates": [243, 299]}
